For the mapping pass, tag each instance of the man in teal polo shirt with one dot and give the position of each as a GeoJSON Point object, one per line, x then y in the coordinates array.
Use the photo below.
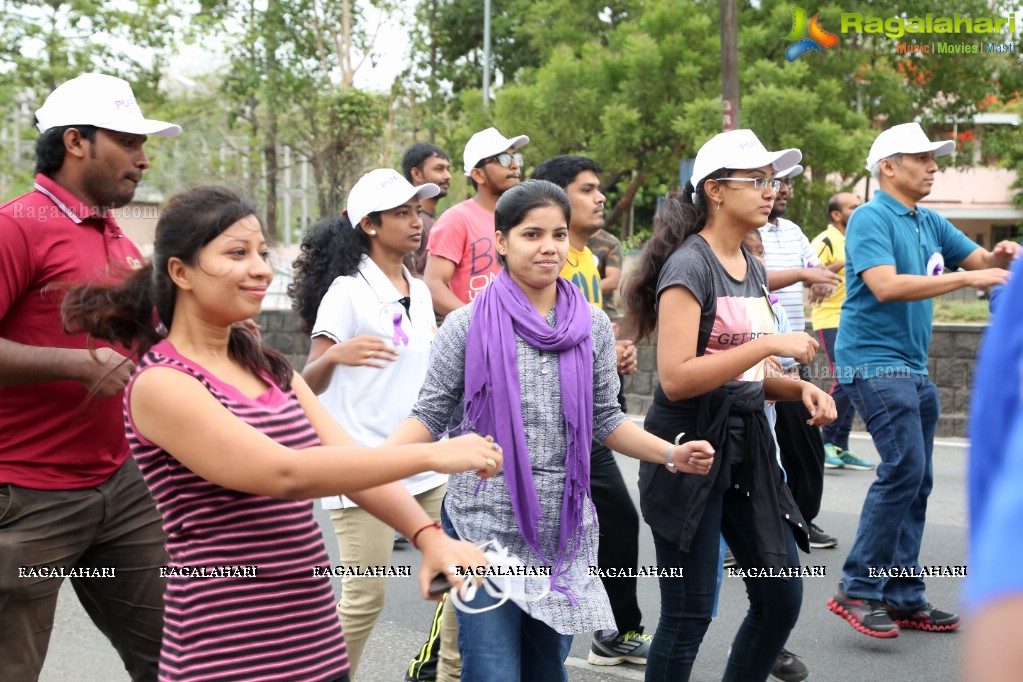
{"type": "Point", "coordinates": [898, 256]}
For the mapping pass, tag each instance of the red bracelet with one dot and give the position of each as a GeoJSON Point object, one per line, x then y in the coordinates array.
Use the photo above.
{"type": "Point", "coordinates": [415, 536]}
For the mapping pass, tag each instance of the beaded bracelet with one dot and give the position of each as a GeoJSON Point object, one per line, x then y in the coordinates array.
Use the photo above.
{"type": "Point", "coordinates": [415, 536]}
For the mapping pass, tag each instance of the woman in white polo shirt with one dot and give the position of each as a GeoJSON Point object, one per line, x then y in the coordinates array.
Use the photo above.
{"type": "Point", "coordinates": [372, 325]}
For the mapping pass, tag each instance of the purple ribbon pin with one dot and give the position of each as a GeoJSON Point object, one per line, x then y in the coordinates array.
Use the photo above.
{"type": "Point", "coordinates": [399, 334]}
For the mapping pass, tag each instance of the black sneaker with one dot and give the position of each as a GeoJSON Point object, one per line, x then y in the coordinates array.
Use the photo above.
{"type": "Point", "coordinates": [789, 668]}
{"type": "Point", "coordinates": [928, 618]}
{"type": "Point", "coordinates": [821, 540]}
{"type": "Point", "coordinates": [868, 616]}
{"type": "Point", "coordinates": [610, 648]}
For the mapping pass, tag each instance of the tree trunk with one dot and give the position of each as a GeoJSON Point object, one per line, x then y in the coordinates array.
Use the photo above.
{"type": "Point", "coordinates": [270, 139]}
{"type": "Point", "coordinates": [625, 203]}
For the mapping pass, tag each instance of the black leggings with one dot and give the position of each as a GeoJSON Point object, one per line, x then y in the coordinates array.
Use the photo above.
{"type": "Point", "coordinates": [619, 536]}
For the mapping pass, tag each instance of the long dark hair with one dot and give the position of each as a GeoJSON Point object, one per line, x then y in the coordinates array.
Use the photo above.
{"type": "Point", "coordinates": [330, 249]}
{"type": "Point", "coordinates": [124, 313]}
{"type": "Point", "coordinates": [683, 215]}
{"type": "Point", "coordinates": [512, 207]}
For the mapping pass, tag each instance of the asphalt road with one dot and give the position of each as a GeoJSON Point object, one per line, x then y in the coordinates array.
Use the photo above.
{"type": "Point", "coordinates": [829, 646]}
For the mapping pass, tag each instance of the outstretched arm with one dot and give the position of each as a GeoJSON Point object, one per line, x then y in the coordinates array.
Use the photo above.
{"type": "Point", "coordinates": [162, 399]}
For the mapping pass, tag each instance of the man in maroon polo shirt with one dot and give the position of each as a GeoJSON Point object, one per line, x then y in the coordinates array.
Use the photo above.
{"type": "Point", "coordinates": [72, 501]}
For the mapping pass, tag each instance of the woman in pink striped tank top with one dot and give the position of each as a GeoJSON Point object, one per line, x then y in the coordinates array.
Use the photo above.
{"type": "Point", "coordinates": [233, 445]}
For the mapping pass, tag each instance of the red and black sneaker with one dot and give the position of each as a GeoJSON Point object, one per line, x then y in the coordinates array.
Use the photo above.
{"type": "Point", "coordinates": [868, 616]}
{"type": "Point", "coordinates": [927, 618]}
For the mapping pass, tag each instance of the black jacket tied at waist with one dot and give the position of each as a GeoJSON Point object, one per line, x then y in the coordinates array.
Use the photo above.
{"type": "Point", "coordinates": [745, 463]}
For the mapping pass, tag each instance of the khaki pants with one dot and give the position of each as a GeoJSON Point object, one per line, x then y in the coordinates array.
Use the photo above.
{"type": "Point", "coordinates": [365, 540]}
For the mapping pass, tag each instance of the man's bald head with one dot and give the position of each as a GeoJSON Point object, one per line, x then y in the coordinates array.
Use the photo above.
{"type": "Point", "coordinates": [840, 207]}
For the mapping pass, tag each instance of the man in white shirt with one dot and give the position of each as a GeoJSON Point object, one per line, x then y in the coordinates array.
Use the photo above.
{"type": "Point", "coordinates": [791, 263]}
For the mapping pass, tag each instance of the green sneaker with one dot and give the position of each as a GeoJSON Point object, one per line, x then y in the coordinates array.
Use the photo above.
{"type": "Point", "coordinates": [831, 458]}
{"type": "Point", "coordinates": [851, 461]}
{"type": "Point", "coordinates": [609, 648]}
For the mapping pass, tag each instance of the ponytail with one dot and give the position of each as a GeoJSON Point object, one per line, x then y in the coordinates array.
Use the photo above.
{"type": "Point", "coordinates": [682, 215]}
{"type": "Point", "coordinates": [121, 313]}
{"type": "Point", "coordinates": [330, 249]}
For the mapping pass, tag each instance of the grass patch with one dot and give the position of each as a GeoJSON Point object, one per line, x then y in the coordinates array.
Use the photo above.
{"type": "Point", "coordinates": [952, 312]}
{"type": "Point", "coordinates": [961, 311]}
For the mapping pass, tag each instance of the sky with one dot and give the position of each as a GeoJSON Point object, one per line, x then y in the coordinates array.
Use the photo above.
{"type": "Point", "coordinates": [375, 74]}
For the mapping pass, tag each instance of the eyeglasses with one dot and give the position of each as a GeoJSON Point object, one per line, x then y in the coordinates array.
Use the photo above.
{"type": "Point", "coordinates": [504, 159]}
{"type": "Point", "coordinates": [759, 183]}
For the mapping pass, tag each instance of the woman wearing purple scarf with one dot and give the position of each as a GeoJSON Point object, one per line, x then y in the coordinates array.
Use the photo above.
{"type": "Point", "coordinates": [535, 365]}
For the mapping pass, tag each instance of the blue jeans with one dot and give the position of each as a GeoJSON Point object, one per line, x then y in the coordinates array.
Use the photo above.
{"type": "Point", "coordinates": [901, 415]}
{"type": "Point", "coordinates": [688, 602]}
{"type": "Point", "coordinates": [837, 432]}
{"type": "Point", "coordinates": [506, 644]}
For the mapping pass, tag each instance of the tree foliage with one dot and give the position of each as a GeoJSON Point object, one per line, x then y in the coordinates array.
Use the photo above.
{"type": "Point", "coordinates": [290, 83]}
{"type": "Point", "coordinates": [43, 44]}
{"type": "Point", "coordinates": [637, 85]}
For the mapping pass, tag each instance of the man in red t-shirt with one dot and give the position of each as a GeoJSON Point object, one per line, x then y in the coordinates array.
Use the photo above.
{"type": "Point", "coordinates": [463, 258]}
{"type": "Point", "coordinates": [72, 501]}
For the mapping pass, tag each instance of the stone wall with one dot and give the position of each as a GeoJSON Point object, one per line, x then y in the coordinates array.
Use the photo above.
{"type": "Point", "coordinates": [280, 330]}
{"type": "Point", "coordinates": [952, 354]}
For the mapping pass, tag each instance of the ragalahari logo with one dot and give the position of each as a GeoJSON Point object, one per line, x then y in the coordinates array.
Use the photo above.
{"type": "Point", "coordinates": [818, 36]}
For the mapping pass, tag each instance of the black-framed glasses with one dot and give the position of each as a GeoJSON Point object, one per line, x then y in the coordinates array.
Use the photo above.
{"type": "Point", "coordinates": [758, 183]}
{"type": "Point", "coordinates": [505, 159]}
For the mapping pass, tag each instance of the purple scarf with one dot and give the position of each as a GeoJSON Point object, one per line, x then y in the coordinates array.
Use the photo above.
{"type": "Point", "coordinates": [493, 406]}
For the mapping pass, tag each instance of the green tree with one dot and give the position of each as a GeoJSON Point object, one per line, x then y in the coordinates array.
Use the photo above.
{"type": "Point", "coordinates": [43, 44]}
{"type": "Point", "coordinates": [289, 84]}
{"type": "Point", "coordinates": [637, 85]}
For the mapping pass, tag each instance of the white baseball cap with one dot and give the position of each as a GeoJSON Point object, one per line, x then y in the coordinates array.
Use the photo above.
{"type": "Point", "coordinates": [487, 143]}
{"type": "Point", "coordinates": [381, 189]}
{"type": "Point", "coordinates": [906, 138]}
{"type": "Point", "coordinates": [788, 173]}
{"type": "Point", "coordinates": [99, 100]}
{"type": "Point", "coordinates": [739, 150]}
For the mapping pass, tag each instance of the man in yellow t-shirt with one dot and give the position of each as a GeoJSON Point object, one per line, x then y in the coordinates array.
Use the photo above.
{"type": "Point", "coordinates": [581, 270]}
{"type": "Point", "coordinates": [829, 246]}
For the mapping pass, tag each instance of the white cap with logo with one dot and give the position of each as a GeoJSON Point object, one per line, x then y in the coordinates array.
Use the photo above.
{"type": "Point", "coordinates": [487, 143]}
{"type": "Point", "coordinates": [99, 100]}
{"type": "Point", "coordinates": [381, 189]}
{"type": "Point", "coordinates": [739, 150]}
{"type": "Point", "coordinates": [905, 138]}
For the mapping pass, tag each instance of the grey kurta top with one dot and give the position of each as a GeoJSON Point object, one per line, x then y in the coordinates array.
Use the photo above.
{"type": "Point", "coordinates": [483, 512]}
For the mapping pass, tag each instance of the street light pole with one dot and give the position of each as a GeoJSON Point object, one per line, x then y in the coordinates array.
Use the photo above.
{"type": "Point", "coordinates": [729, 65]}
{"type": "Point", "coordinates": [486, 55]}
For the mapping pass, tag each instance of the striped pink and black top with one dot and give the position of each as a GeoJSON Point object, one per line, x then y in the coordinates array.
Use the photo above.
{"type": "Point", "coordinates": [279, 624]}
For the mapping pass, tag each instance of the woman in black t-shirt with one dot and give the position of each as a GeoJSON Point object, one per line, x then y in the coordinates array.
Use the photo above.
{"type": "Point", "coordinates": [707, 299]}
